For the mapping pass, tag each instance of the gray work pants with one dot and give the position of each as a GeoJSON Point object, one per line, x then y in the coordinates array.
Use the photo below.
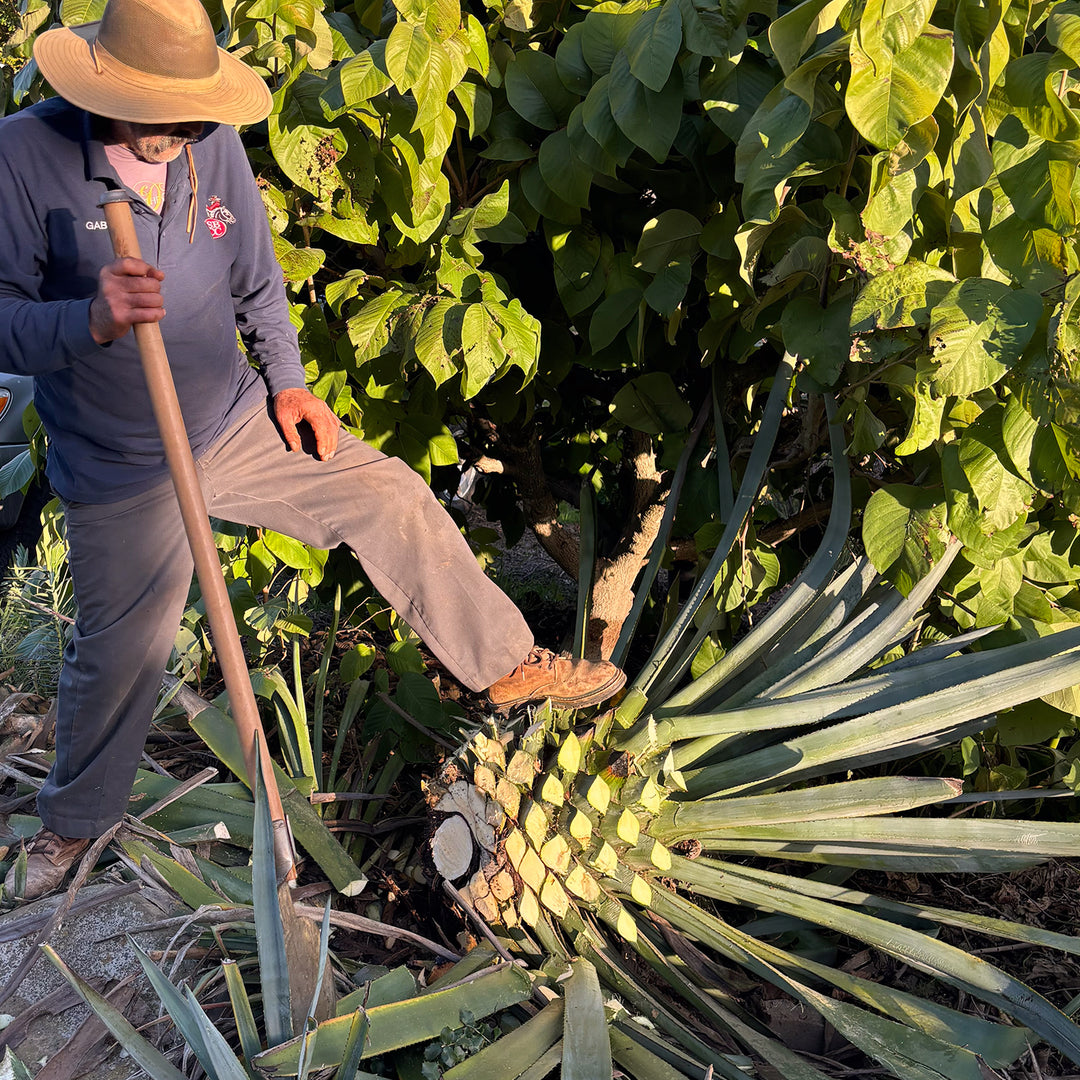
{"type": "Point", "coordinates": [131, 567]}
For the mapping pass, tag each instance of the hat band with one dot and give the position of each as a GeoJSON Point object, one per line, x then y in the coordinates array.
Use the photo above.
{"type": "Point", "coordinates": [106, 63]}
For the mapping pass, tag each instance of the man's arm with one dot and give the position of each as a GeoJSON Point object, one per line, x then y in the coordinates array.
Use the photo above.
{"type": "Point", "coordinates": [36, 336]}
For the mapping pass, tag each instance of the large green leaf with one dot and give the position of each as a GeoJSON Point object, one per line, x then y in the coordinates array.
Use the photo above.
{"type": "Point", "coordinates": [606, 30]}
{"type": "Point", "coordinates": [648, 118]}
{"type": "Point", "coordinates": [1037, 175]}
{"type": "Point", "coordinates": [418, 63]}
{"type": "Point", "coordinates": [671, 236]}
{"type": "Point", "coordinates": [901, 297]}
{"type": "Point", "coordinates": [300, 138]}
{"type": "Point", "coordinates": [904, 530]}
{"type": "Point", "coordinates": [482, 347]}
{"type": "Point", "coordinates": [365, 75]}
{"type": "Point", "coordinates": [536, 92]}
{"type": "Point", "coordinates": [652, 403]}
{"type": "Point", "coordinates": [563, 171]}
{"type": "Point", "coordinates": [889, 91]}
{"type": "Point", "coordinates": [599, 123]}
{"type": "Point", "coordinates": [653, 44]}
{"type": "Point", "coordinates": [978, 332]}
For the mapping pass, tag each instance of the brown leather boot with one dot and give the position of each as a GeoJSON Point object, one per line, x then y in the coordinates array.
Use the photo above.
{"type": "Point", "coordinates": [570, 684]}
{"type": "Point", "coordinates": [48, 859]}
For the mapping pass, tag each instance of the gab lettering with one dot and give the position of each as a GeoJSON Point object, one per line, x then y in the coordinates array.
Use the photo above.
{"type": "Point", "coordinates": [94, 225]}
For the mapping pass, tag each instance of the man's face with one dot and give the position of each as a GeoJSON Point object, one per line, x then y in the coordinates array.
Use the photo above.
{"type": "Point", "coordinates": [155, 143]}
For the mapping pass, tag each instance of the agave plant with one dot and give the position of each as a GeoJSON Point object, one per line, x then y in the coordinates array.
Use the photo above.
{"type": "Point", "coordinates": [632, 829]}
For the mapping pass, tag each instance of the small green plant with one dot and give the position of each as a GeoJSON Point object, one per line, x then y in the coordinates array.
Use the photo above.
{"type": "Point", "coordinates": [37, 609]}
{"type": "Point", "coordinates": [454, 1045]}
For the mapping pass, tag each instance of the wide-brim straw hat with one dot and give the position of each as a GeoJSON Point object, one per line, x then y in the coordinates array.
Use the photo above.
{"type": "Point", "coordinates": [151, 63]}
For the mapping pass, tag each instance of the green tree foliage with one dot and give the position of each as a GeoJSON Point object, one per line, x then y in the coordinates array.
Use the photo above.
{"type": "Point", "coordinates": [525, 235]}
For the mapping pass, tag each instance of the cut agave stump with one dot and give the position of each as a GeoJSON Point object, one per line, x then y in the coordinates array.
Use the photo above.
{"type": "Point", "coordinates": [589, 836]}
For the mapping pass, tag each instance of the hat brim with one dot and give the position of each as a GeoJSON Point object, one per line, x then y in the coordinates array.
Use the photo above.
{"type": "Point", "coordinates": [65, 58]}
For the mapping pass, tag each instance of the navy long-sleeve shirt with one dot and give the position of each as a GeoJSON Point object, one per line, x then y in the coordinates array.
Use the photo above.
{"type": "Point", "coordinates": [103, 441]}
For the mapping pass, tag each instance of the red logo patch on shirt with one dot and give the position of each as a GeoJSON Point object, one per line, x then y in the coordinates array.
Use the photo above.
{"type": "Point", "coordinates": [218, 217]}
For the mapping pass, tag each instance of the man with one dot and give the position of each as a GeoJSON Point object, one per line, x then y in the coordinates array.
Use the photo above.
{"type": "Point", "coordinates": [147, 101]}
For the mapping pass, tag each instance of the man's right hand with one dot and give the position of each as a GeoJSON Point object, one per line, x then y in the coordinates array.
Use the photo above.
{"type": "Point", "coordinates": [129, 291]}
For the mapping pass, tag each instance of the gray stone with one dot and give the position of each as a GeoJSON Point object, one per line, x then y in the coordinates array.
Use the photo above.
{"type": "Point", "coordinates": [92, 941]}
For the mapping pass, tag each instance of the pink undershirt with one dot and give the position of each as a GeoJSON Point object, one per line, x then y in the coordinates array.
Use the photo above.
{"type": "Point", "coordinates": [146, 179]}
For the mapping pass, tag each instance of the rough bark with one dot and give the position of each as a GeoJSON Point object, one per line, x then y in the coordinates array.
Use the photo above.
{"type": "Point", "coordinates": [612, 591]}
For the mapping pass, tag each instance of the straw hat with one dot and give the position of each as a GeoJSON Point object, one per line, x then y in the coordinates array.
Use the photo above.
{"type": "Point", "coordinates": [151, 63]}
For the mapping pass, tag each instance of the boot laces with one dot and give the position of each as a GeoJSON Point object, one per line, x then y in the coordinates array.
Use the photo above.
{"type": "Point", "coordinates": [539, 657]}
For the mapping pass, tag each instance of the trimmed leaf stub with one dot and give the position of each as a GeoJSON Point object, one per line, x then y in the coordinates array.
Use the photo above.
{"type": "Point", "coordinates": [452, 848]}
{"type": "Point", "coordinates": [480, 814]}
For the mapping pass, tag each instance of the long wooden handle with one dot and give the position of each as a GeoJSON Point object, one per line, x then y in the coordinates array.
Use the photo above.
{"type": "Point", "coordinates": [159, 381]}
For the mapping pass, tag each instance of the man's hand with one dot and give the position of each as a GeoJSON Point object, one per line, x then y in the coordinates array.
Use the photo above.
{"type": "Point", "coordinates": [129, 291]}
{"type": "Point", "coordinates": [293, 407]}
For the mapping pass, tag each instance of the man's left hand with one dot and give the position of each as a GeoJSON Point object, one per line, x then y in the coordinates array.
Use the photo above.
{"type": "Point", "coordinates": [296, 405]}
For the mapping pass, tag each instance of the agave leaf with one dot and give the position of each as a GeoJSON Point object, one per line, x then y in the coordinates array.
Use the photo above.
{"type": "Point", "coordinates": [349, 712]}
{"type": "Point", "coordinates": [196, 807]}
{"type": "Point", "coordinates": [320, 690]}
{"type": "Point", "coordinates": [744, 1029]}
{"type": "Point", "coordinates": [183, 882]}
{"type": "Point", "coordinates": [910, 844]}
{"type": "Point", "coordinates": [476, 959]}
{"type": "Point", "coordinates": [998, 1044]}
{"type": "Point", "coordinates": [241, 1007]}
{"type": "Point", "coordinates": [911, 1055]}
{"type": "Point", "coordinates": [156, 1065]}
{"type": "Point", "coordinates": [516, 1052]}
{"type": "Point", "coordinates": [1034, 668]}
{"type": "Point", "coordinates": [940, 650]}
{"type": "Point", "coordinates": [270, 684]}
{"type": "Point", "coordinates": [865, 639]}
{"type": "Point", "coordinates": [981, 924]}
{"type": "Point", "coordinates": [725, 488]}
{"type": "Point", "coordinates": [234, 884]}
{"type": "Point", "coordinates": [402, 1023]}
{"type": "Point", "coordinates": [269, 931]}
{"type": "Point", "coordinates": [586, 1046]}
{"type": "Point", "coordinates": [752, 478]}
{"type": "Point", "coordinates": [646, 1037]}
{"type": "Point", "coordinates": [354, 1047]}
{"type": "Point", "coordinates": [219, 733]}
{"type": "Point", "coordinates": [888, 686]}
{"type": "Point", "coordinates": [799, 597]}
{"type": "Point", "coordinates": [586, 566]}
{"type": "Point", "coordinates": [324, 952]}
{"type": "Point", "coordinates": [830, 611]}
{"type": "Point", "coordinates": [851, 799]}
{"type": "Point", "coordinates": [11, 1067]}
{"type": "Point", "coordinates": [936, 958]}
{"type": "Point", "coordinates": [639, 1061]}
{"type": "Point", "coordinates": [222, 1062]}
{"type": "Point", "coordinates": [545, 1065]}
{"type": "Point", "coordinates": [591, 944]}
{"type": "Point", "coordinates": [183, 1015]}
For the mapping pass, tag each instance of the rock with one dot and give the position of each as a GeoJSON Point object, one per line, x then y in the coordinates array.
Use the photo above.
{"type": "Point", "coordinates": [52, 1032]}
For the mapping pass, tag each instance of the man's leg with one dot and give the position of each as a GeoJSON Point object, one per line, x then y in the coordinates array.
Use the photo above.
{"type": "Point", "coordinates": [131, 568]}
{"type": "Point", "coordinates": [409, 547]}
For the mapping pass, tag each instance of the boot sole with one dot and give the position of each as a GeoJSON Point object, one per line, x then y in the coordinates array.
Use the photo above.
{"type": "Point", "coordinates": [579, 701]}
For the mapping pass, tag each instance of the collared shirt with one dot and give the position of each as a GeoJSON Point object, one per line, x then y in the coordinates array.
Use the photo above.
{"type": "Point", "coordinates": [223, 277]}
